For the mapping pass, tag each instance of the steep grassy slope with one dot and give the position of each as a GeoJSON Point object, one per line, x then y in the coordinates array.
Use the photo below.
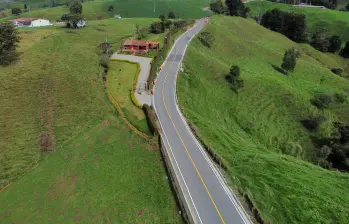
{"type": "Point", "coordinates": [257, 130]}
{"type": "Point", "coordinates": [336, 22]}
{"type": "Point", "coordinates": [53, 98]}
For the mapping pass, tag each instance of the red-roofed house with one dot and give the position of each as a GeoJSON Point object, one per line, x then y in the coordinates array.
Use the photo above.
{"type": "Point", "coordinates": [139, 46]}
{"type": "Point", "coordinates": [30, 22]}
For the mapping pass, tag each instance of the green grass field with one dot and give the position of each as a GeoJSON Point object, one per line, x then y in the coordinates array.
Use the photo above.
{"type": "Point", "coordinates": [94, 10]}
{"type": "Point", "coordinates": [100, 171]}
{"type": "Point", "coordinates": [336, 22]}
{"type": "Point", "coordinates": [258, 131]}
{"type": "Point", "coordinates": [119, 84]}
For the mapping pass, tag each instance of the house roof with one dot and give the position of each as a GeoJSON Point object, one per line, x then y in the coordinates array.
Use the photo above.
{"type": "Point", "coordinates": [138, 42]}
{"type": "Point", "coordinates": [23, 20]}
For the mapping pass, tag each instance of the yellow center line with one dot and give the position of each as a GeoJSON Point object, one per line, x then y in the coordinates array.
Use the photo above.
{"type": "Point", "coordinates": [185, 147]}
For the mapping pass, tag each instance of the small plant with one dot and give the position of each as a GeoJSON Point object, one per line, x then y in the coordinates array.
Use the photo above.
{"type": "Point", "coordinates": [322, 100]}
{"type": "Point", "coordinates": [290, 59]}
{"type": "Point", "coordinates": [337, 71]}
{"type": "Point", "coordinates": [206, 39]}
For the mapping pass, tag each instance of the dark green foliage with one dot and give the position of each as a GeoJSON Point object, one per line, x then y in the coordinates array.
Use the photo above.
{"type": "Point", "coordinates": [335, 44]}
{"type": "Point", "coordinates": [234, 78]}
{"type": "Point", "coordinates": [110, 8]}
{"type": "Point", "coordinates": [313, 124]}
{"type": "Point", "coordinates": [289, 61]}
{"type": "Point", "coordinates": [171, 15]}
{"type": "Point", "coordinates": [151, 119]}
{"type": "Point", "coordinates": [340, 97]}
{"type": "Point", "coordinates": [217, 7]}
{"type": "Point", "coordinates": [237, 8]}
{"type": "Point", "coordinates": [206, 38]}
{"type": "Point", "coordinates": [157, 27]}
{"type": "Point", "coordinates": [162, 17]}
{"type": "Point", "coordinates": [16, 11]}
{"type": "Point", "coordinates": [345, 51]}
{"type": "Point", "coordinates": [168, 24]}
{"type": "Point", "coordinates": [292, 25]}
{"type": "Point", "coordinates": [180, 24]}
{"type": "Point", "coordinates": [347, 7]}
{"type": "Point", "coordinates": [337, 71]}
{"type": "Point", "coordinates": [9, 40]}
{"type": "Point", "coordinates": [75, 7]}
{"type": "Point", "coordinates": [25, 7]}
{"type": "Point", "coordinates": [322, 100]}
{"type": "Point", "coordinates": [320, 42]}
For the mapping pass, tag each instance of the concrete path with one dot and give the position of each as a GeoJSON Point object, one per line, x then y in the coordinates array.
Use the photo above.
{"type": "Point", "coordinates": [141, 94]}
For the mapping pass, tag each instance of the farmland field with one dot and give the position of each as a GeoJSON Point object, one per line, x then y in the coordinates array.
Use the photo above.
{"type": "Point", "coordinates": [336, 22]}
{"type": "Point", "coordinates": [257, 131]}
{"type": "Point", "coordinates": [53, 99]}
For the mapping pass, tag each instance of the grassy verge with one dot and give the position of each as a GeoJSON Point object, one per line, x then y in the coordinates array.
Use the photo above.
{"type": "Point", "coordinates": [99, 171]}
{"type": "Point", "coordinates": [336, 22]}
{"type": "Point", "coordinates": [257, 131]}
{"type": "Point", "coordinates": [119, 83]}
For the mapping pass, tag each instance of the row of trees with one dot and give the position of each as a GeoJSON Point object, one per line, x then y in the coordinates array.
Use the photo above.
{"type": "Point", "coordinates": [231, 8]}
{"type": "Point", "coordinates": [292, 25]}
{"type": "Point", "coordinates": [165, 23]}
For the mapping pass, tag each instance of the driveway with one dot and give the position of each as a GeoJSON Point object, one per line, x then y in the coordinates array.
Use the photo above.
{"type": "Point", "coordinates": [141, 94]}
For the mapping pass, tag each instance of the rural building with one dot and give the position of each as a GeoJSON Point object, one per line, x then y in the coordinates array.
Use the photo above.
{"type": "Point", "coordinates": [30, 22]}
{"type": "Point", "coordinates": [139, 46]}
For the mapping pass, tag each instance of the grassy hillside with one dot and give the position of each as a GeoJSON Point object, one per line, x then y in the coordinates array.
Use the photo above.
{"type": "Point", "coordinates": [53, 99]}
{"type": "Point", "coordinates": [94, 10]}
{"type": "Point", "coordinates": [336, 22]}
{"type": "Point", "coordinates": [257, 131]}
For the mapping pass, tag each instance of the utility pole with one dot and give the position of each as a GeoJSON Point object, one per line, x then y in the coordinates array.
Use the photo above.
{"type": "Point", "coordinates": [154, 8]}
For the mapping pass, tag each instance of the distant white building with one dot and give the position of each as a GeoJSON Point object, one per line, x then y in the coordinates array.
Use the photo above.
{"type": "Point", "coordinates": [117, 16]}
{"type": "Point", "coordinates": [40, 22]}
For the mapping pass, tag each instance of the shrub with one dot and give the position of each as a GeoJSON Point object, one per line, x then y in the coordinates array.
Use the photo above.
{"type": "Point", "coordinates": [151, 119]}
{"type": "Point", "coordinates": [206, 39]}
{"type": "Point", "coordinates": [340, 98]}
{"type": "Point", "coordinates": [335, 44]}
{"type": "Point", "coordinates": [312, 124]}
{"type": "Point", "coordinates": [168, 24]}
{"type": "Point", "coordinates": [180, 24]}
{"type": "Point", "coordinates": [235, 80]}
{"type": "Point", "coordinates": [171, 15]}
{"type": "Point", "coordinates": [217, 7]}
{"type": "Point", "coordinates": [337, 71]}
{"type": "Point", "coordinates": [16, 11]}
{"type": "Point", "coordinates": [320, 42]}
{"type": "Point", "coordinates": [345, 51]}
{"type": "Point", "coordinates": [322, 100]}
{"type": "Point", "coordinates": [156, 28]}
{"type": "Point", "coordinates": [290, 59]}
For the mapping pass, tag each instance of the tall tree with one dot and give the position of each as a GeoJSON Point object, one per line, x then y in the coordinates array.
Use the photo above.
{"type": "Point", "coordinates": [9, 40]}
{"type": "Point", "coordinates": [237, 8]}
{"type": "Point", "coordinates": [75, 7]}
{"type": "Point", "coordinates": [289, 61]}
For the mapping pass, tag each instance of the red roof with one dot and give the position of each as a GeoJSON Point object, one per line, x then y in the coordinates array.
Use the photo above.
{"type": "Point", "coordinates": [136, 42]}
{"type": "Point", "coordinates": [23, 20]}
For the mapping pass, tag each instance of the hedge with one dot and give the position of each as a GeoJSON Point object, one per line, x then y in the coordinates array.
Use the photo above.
{"type": "Point", "coordinates": [151, 119]}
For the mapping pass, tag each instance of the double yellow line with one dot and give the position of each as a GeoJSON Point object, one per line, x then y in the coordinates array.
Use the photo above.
{"type": "Point", "coordinates": [185, 147]}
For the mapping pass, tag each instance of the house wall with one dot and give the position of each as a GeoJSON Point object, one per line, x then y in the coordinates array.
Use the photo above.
{"type": "Point", "coordinates": [40, 22]}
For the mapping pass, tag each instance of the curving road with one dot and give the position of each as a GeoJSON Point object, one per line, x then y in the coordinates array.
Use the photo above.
{"type": "Point", "coordinates": [205, 191]}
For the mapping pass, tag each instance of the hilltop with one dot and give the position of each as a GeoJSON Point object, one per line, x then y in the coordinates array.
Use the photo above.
{"type": "Point", "coordinates": [336, 22]}
{"type": "Point", "coordinates": [257, 131]}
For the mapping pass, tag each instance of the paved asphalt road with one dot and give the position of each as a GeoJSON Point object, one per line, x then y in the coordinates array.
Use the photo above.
{"type": "Point", "coordinates": [209, 199]}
